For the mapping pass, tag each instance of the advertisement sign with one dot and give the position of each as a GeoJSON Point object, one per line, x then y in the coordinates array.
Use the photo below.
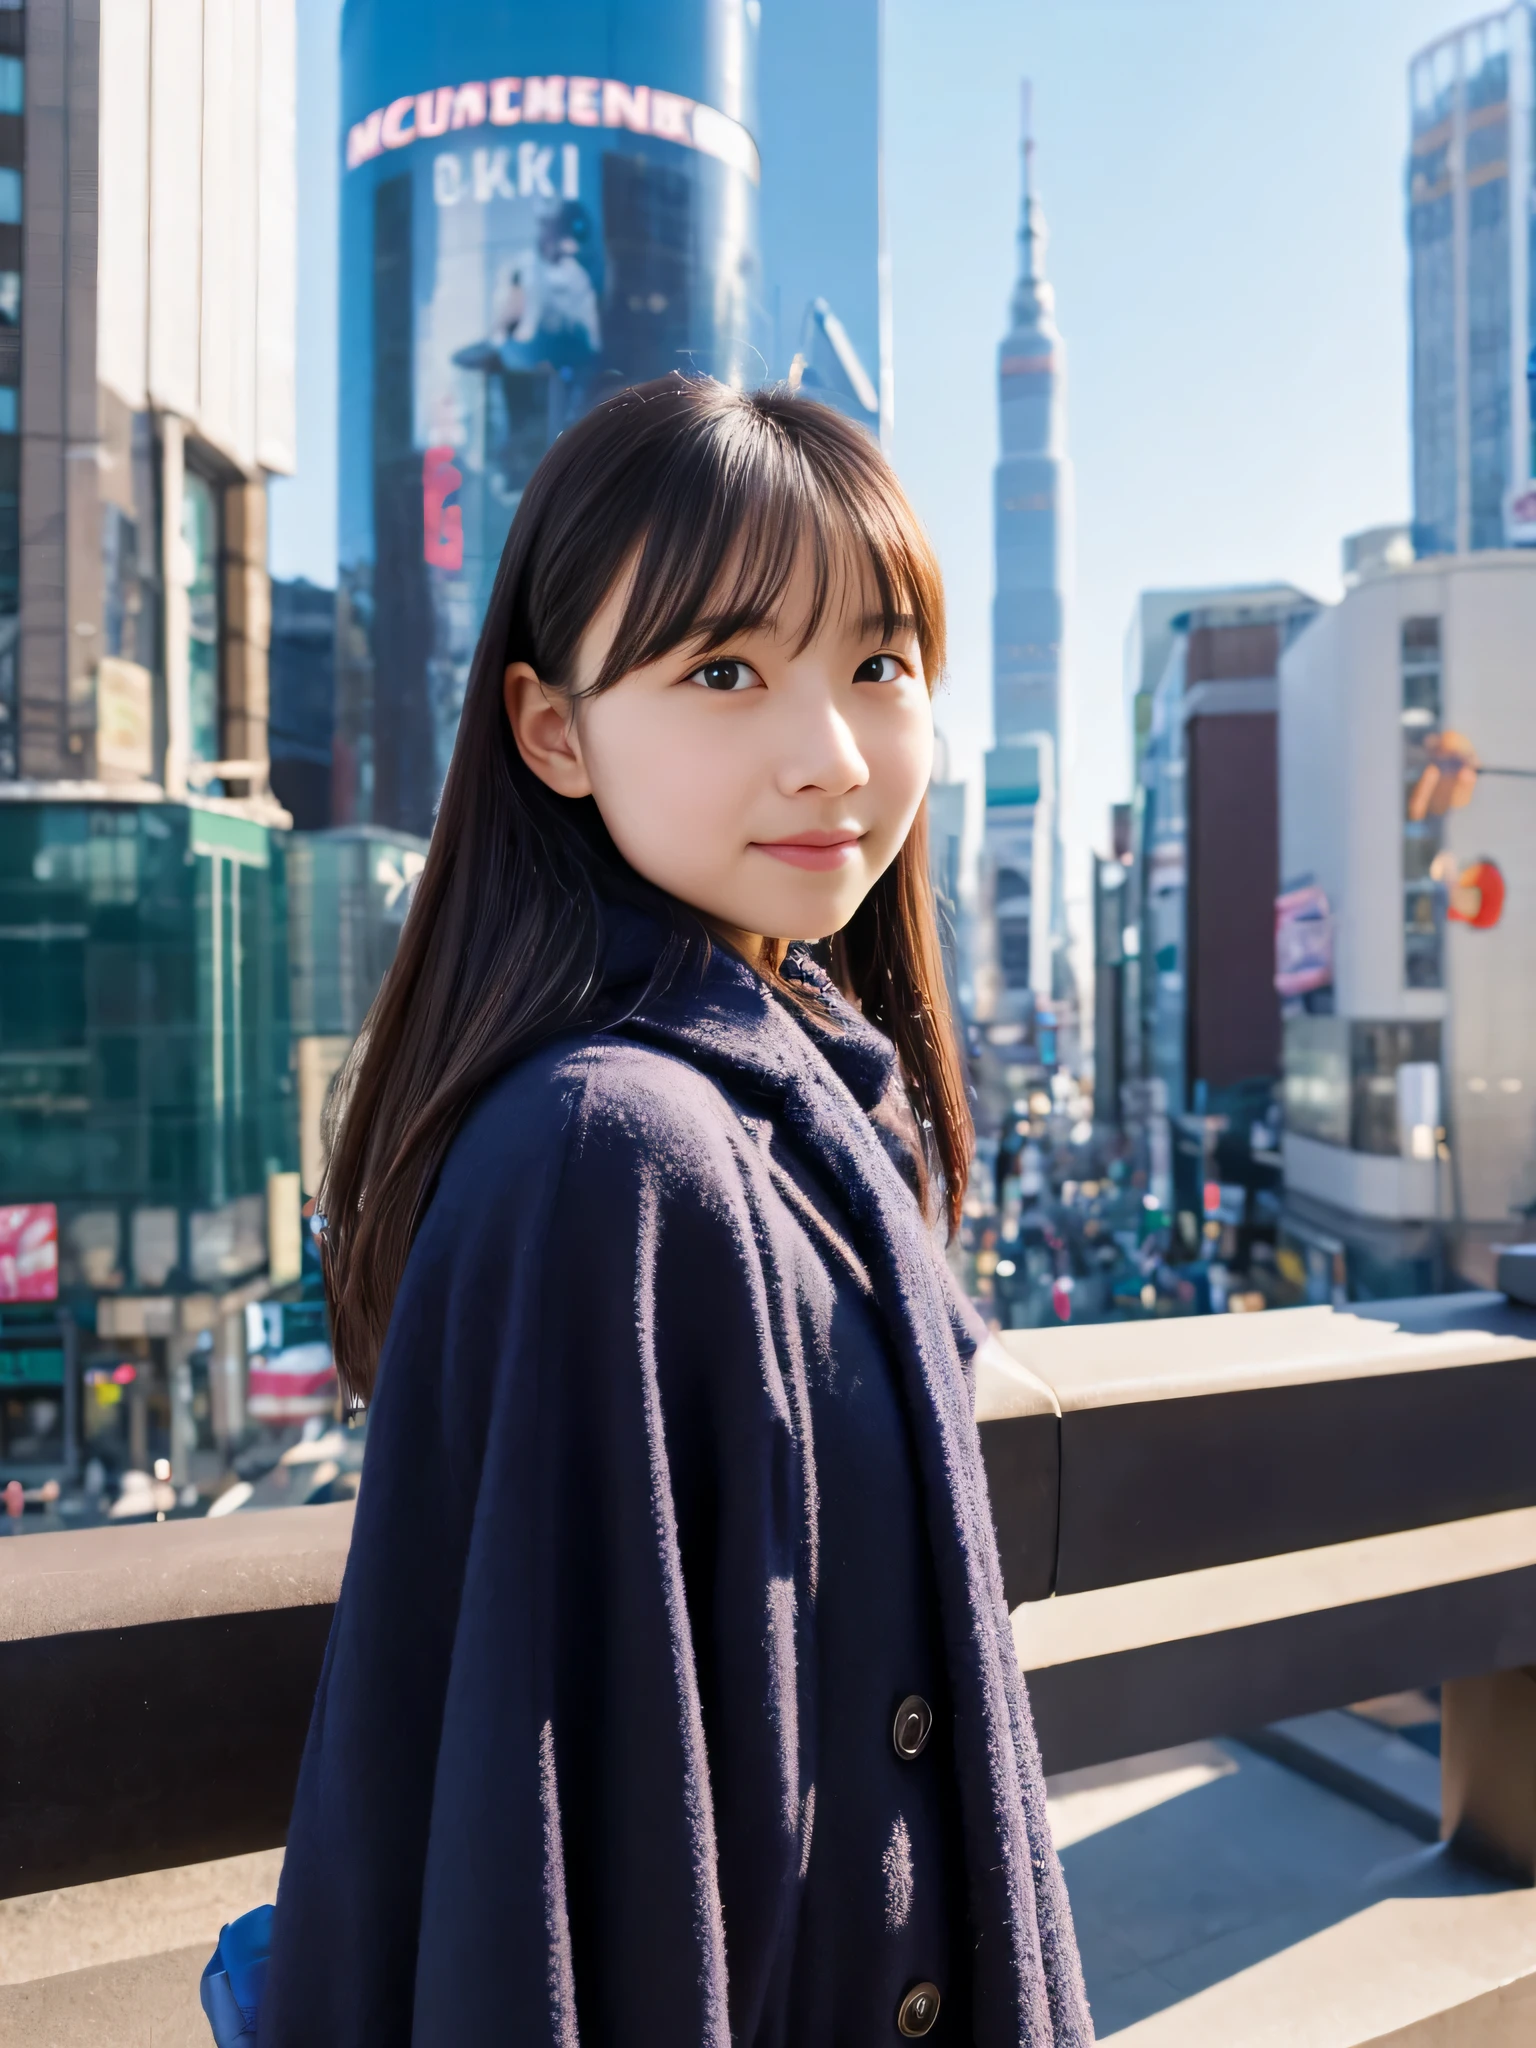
{"type": "Point", "coordinates": [1476, 896]}
{"type": "Point", "coordinates": [292, 1385]}
{"type": "Point", "coordinates": [291, 1375]}
{"type": "Point", "coordinates": [29, 1252]}
{"type": "Point", "coordinates": [1303, 941]}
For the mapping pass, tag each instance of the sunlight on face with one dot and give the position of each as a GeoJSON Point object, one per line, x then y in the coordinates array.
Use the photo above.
{"type": "Point", "coordinates": [765, 784]}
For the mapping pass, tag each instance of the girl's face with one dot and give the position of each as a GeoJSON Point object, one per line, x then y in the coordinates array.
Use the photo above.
{"type": "Point", "coordinates": [766, 784]}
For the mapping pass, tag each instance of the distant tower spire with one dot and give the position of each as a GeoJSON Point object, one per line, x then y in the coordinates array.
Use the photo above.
{"type": "Point", "coordinates": [1034, 302]}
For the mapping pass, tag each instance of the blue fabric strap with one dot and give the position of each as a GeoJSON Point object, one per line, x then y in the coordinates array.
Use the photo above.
{"type": "Point", "coordinates": [232, 1983]}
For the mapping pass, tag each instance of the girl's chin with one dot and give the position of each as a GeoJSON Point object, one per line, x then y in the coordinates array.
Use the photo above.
{"type": "Point", "coordinates": [808, 924]}
{"type": "Point", "coordinates": [799, 905]}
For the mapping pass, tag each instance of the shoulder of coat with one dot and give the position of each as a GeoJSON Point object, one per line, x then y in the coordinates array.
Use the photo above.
{"type": "Point", "coordinates": [622, 1091]}
{"type": "Point", "coordinates": [604, 1095]}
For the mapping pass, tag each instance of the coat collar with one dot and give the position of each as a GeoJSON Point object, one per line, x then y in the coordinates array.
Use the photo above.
{"type": "Point", "coordinates": [674, 983]}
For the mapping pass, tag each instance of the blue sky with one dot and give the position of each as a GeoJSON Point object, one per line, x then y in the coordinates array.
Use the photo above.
{"type": "Point", "coordinates": [1223, 183]}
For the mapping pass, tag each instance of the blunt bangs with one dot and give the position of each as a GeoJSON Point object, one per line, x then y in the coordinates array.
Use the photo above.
{"type": "Point", "coordinates": [761, 485]}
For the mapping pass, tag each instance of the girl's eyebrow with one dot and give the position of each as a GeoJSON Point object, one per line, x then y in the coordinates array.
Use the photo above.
{"type": "Point", "coordinates": [887, 624]}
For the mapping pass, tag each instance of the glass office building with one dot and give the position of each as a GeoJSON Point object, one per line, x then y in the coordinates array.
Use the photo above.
{"type": "Point", "coordinates": [1470, 237]}
{"type": "Point", "coordinates": [145, 1083]}
{"type": "Point", "coordinates": [538, 206]}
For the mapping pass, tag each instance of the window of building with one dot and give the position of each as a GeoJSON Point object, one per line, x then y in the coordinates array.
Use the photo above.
{"type": "Point", "coordinates": [1423, 923]}
{"type": "Point", "coordinates": [12, 85]}
{"type": "Point", "coordinates": [1485, 64]}
{"type": "Point", "coordinates": [10, 298]}
{"type": "Point", "coordinates": [1317, 1078]}
{"type": "Point", "coordinates": [200, 539]}
{"type": "Point", "coordinates": [1341, 1078]}
{"type": "Point", "coordinates": [10, 197]}
{"type": "Point", "coordinates": [130, 544]}
{"type": "Point", "coordinates": [1376, 1051]}
{"type": "Point", "coordinates": [8, 416]}
{"type": "Point", "coordinates": [1432, 246]}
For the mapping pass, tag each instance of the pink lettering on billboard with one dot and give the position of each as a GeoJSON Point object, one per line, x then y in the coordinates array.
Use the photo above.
{"type": "Point", "coordinates": [29, 1252]}
{"type": "Point", "coordinates": [553, 102]}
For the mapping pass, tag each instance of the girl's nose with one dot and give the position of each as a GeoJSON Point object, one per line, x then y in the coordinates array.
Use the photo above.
{"type": "Point", "coordinates": [822, 754]}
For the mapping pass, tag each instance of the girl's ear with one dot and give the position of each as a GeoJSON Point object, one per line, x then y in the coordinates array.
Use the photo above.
{"type": "Point", "coordinates": [544, 727]}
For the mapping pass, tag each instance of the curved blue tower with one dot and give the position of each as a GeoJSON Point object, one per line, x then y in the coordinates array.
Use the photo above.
{"type": "Point", "coordinates": [539, 205]}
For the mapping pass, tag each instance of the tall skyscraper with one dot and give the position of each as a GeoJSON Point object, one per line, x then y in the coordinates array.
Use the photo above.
{"type": "Point", "coordinates": [148, 1143]}
{"type": "Point", "coordinates": [1471, 237]}
{"type": "Point", "coordinates": [1032, 514]}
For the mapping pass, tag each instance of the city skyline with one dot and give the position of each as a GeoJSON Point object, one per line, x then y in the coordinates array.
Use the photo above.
{"type": "Point", "coordinates": [1237, 308]}
{"type": "Point", "coordinates": [1240, 342]}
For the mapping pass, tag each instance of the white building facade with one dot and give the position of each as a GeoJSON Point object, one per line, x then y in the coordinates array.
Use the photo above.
{"type": "Point", "coordinates": [1374, 1206]}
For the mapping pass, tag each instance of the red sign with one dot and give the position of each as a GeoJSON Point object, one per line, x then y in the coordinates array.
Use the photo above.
{"type": "Point", "coordinates": [1477, 895]}
{"type": "Point", "coordinates": [292, 1385]}
{"type": "Point", "coordinates": [443, 524]}
{"type": "Point", "coordinates": [29, 1252]}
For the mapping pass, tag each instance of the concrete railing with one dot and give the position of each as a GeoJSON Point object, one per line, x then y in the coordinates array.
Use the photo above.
{"type": "Point", "coordinates": [155, 1687]}
{"type": "Point", "coordinates": [1211, 1525]}
{"type": "Point", "coordinates": [1205, 1526]}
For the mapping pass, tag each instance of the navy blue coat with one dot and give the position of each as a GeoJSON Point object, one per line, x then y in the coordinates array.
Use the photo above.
{"type": "Point", "coordinates": [673, 1493]}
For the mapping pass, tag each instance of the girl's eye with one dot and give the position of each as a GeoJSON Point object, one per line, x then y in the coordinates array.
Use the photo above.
{"type": "Point", "coordinates": [880, 668]}
{"type": "Point", "coordinates": [726, 675]}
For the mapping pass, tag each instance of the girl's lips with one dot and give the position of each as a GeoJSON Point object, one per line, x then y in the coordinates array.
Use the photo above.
{"type": "Point", "coordinates": [820, 851]}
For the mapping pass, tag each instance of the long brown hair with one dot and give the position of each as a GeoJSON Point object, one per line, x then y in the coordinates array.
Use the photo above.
{"type": "Point", "coordinates": [713, 495]}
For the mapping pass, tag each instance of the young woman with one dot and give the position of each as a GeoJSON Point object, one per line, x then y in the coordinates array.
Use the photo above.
{"type": "Point", "coordinates": [671, 1700]}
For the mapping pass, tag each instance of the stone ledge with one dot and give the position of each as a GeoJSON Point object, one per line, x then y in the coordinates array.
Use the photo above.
{"type": "Point", "coordinates": [1104, 1365]}
{"type": "Point", "coordinates": [124, 1919]}
{"type": "Point", "coordinates": [79, 1580]}
{"type": "Point", "coordinates": [1111, 1619]}
{"type": "Point", "coordinates": [1406, 1973]}
{"type": "Point", "coordinates": [146, 2002]}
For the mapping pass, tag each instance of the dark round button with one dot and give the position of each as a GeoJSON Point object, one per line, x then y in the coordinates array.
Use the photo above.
{"type": "Point", "coordinates": [918, 2011]}
{"type": "Point", "coordinates": [912, 1727]}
